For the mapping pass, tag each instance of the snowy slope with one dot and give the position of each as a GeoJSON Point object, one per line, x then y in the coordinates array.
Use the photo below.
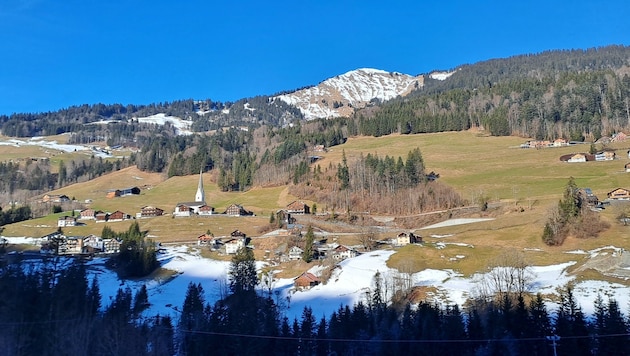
{"type": "Point", "coordinates": [356, 88]}
{"type": "Point", "coordinates": [347, 286]}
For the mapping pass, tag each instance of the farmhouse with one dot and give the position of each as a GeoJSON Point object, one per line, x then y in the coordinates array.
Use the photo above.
{"type": "Point", "coordinates": [64, 221]}
{"type": "Point", "coordinates": [237, 210]}
{"type": "Point", "coordinates": [118, 216]}
{"type": "Point", "coordinates": [405, 238]}
{"type": "Point", "coordinates": [306, 280]}
{"type": "Point", "coordinates": [298, 207]}
{"type": "Point", "coordinates": [627, 167]}
{"type": "Point", "coordinates": [619, 194]}
{"type": "Point", "coordinates": [205, 239]}
{"type": "Point", "coordinates": [342, 252]}
{"type": "Point", "coordinates": [233, 245]}
{"type": "Point", "coordinates": [295, 253]}
{"type": "Point", "coordinates": [182, 209]}
{"type": "Point", "coordinates": [578, 157]}
{"type": "Point", "coordinates": [100, 216]}
{"type": "Point", "coordinates": [205, 210]}
{"type": "Point", "coordinates": [87, 214]}
{"type": "Point", "coordinates": [150, 212]}
{"type": "Point", "coordinates": [54, 198]}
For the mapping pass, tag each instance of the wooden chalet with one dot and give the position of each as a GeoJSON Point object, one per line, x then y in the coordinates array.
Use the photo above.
{"type": "Point", "coordinates": [118, 216]}
{"type": "Point", "coordinates": [342, 252]}
{"type": "Point", "coordinates": [306, 280]}
{"type": "Point", "coordinates": [87, 214]}
{"type": "Point", "coordinates": [100, 216]}
{"type": "Point", "coordinates": [182, 210]}
{"type": "Point", "coordinates": [206, 210]}
{"type": "Point", "coordinates": [205, 239]}
{"type": "Point", "coordinates": [150, 212]}
{"type": "Point", "coordinates": [619, 194]}
{"type": "Point", "coordinates": [237, 210]}
{"type": "Point", "coordinates": [111, 246]}
{"type": "Point", "coordinates": [298, 207]}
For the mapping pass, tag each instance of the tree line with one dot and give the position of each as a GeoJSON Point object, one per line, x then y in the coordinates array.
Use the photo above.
{"type": "Point", "coordinates": [54, 309]}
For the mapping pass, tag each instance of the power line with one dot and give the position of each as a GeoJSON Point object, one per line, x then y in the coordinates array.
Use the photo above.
{"type": "Point", "coordinates": [293, 338]}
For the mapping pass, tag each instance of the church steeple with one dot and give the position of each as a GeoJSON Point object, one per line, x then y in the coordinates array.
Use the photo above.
{"type": "Point", "coordinates": [201, 195]}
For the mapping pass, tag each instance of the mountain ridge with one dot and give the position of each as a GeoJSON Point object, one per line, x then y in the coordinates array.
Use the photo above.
{"type": "Point", "coordinates": [342, 94]}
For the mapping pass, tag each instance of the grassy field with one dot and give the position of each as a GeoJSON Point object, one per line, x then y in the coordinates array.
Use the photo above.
{"type": "Point", "coordinates": [523, 185]}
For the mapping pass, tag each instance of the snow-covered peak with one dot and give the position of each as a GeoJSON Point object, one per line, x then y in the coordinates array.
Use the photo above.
{"type": "Point", "coordinates": [340, 95]}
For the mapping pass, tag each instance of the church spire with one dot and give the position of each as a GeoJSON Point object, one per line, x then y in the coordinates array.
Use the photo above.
{"type": "Point", "coordinates": [201, 195]}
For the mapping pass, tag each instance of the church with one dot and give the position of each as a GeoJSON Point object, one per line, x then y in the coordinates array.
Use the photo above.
{"type": "Point", "coordinates": [197, 207]}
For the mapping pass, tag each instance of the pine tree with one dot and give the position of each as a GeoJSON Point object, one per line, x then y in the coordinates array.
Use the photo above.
{"type": "Point", "coordinates": [309, 239]}
{"type": "Point", "coordinates": [243, 277]}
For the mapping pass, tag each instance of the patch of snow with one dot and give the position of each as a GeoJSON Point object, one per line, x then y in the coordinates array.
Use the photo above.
{"type": "Point", "coordinates": [453, 222]}
{"type": "Point", "coordinates": [577, 252]}
{"type": "Point", "coordinates": [53, 145]}
{"type": "Point", "coordinates": [440, 236]}
{"type": "Point", "coordinates": [182, 126]}
{"type": "Point", "coordinates": [440, 75]}
{"type": "Point", "coordinates": [349, 284]}
{"type": "Point", "coordinates": [458, 244]}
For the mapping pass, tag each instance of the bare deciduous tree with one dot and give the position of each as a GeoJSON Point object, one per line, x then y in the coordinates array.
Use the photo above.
{"type": "Point", "coordinates": [508, 274]}
{"type": "Point", "coordinates": [367, 238]}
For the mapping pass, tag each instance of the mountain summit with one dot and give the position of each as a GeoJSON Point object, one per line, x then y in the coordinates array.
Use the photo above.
{"type": "Point", "coordinates": [340, 95]}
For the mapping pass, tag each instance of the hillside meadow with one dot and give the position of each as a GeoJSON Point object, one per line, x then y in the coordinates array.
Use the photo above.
{"type": "Point", "coordinates": [522, 185]}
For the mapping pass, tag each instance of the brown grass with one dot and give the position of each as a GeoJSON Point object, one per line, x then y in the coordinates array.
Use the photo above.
{"type": "Point", "coordinates": [522, 185]}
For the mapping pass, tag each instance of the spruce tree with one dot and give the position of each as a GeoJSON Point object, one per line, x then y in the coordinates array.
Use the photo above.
{"type": "Point", "coordinates": [243, 278]}
{"type": "Point", "coordinates": [309, 238]}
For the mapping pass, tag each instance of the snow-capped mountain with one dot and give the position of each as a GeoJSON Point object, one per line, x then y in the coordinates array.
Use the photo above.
{"type": "Point", "coordinates": [341, 95]}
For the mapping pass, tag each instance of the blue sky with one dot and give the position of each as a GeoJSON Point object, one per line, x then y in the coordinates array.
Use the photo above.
{"type": "Point", "coordinates": [58, 53]}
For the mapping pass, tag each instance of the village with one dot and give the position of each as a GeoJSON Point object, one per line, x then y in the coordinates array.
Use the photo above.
{"type": "Point", "coordinates": [58, 243]}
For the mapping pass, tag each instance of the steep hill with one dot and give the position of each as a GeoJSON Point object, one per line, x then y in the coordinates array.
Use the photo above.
{"type": "Point", "coordinates": [341, 95]}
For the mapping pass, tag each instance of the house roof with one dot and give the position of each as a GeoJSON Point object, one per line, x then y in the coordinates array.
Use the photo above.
{"type": "Point", "coordinates": [297, 205]}
{"type": "Point", "coordinates": [309, 277]}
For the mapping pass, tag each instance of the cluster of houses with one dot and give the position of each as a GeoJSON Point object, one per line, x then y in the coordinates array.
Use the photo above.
{"type": "Point", "coordinates": [60, 244]}
{"type": "Point", "coordinates": [224, 244]}
{"type": "Point", "coordinates": [618, 194]}
{"type": "Point", "coordinates": [340, 252]}
{"type": "Point", "coordinates": [102, 216]}
{"type": "Point", "coordinates": [559, 142]}
{"type": "Point", "coordinates": [605, 155]}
